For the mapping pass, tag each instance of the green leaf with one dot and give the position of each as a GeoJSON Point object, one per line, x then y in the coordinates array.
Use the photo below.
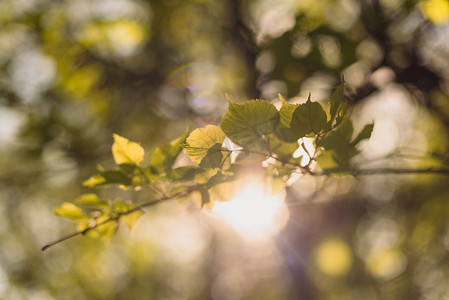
{"type": "Point", "coordinates": [364, 134]}
{"type": "Point", "coordinates": [338, 149]}
{"type": "Point", "coordinates": [94, 181]}
{"type": "Point", "coordinates": [344, 131]}
{"type": "Point", "coordinates": [131, 219]}
{"type": "Point", "coordinates": [307, 118]}
{"type": "Point", "coordinates": [213, 158]}
{"type": "Point", "coordinates": [286, 112]}
{"type": "Point", "coordinates": [337, 99]}
{"type": "Point", "coordinates": [116, 177]}
{"type": "Point", "coordinates": [284, 132]}
{"type": "Point", "coordinates": [123, 208]}
{"type": "Point", "coordinates": [70, 211]}
{"type": "Point", "coordinates": [246, 123]}
{"type": "Point", "coordinates": [339, 142]}
{"type": "Point", "coordinates": [119, 206]}
{"type": "Point", "coordinates": [126, 152]}
{"type": "Point", "coordinates": [341, 113]}
{"type": "Point", "coordinates": [108, 177]}
{"type": "Point", "coordinates": [163, 157]}
{"type": "Point", "coordinates": [330, 162]}
{"type": "Point", "coordinates": [206, 142]}
{"type": "Point", "coordinates": [184, 173]}
{"type": "Point", "coordinates": [92, 200]}
{"type": "Point", "coordinates": [282, 149]}
{"type": "Point", "coordinates": [104, 231]}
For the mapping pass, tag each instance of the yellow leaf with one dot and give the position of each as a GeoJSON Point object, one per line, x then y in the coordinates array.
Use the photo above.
{"type": "Point", "coordinates": [126, 152]}
{"type": "Point", "coordinates": [69, 211]}
{"type": "Point", "coordinates": [131, 218]}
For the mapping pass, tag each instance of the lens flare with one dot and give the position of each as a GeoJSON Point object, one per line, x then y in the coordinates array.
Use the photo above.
{"type": "Point", "coordinates": [253, 213]}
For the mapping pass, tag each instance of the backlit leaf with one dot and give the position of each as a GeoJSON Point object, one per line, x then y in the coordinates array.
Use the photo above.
{"type": "Point", "coordinates": [126, 152]}
{"type": "Point", "coordinates": [202, 140]}
{"type": "Point", "coordinates": [108, 177]}
{"type": "Point", "coordinates": [246, 123]}
{"type": "Point", "coordinates": [284, 132]}
{"type": "Point", "coordinates": [213, 158]}
{"type": "Point", "coordinates": [70, 211]}
{"type": "Point", "coordinates": [307, 118]}
{"type": "Point", "coordinates": [286, 112]}
{"type": "Point", "coordinates": [94, 181]}
{"type": "Point", "coordinates": [131, 219]}
{"type": "Point", "coordinates": [130, 212]}
{"type": "Point", "coordinates": [92, 200]}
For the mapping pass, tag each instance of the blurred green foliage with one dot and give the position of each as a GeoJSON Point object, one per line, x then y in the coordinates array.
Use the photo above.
{"type": "Point", "coordinates": [75, 72]}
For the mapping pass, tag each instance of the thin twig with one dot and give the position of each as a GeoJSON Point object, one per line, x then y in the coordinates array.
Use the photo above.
{"type": "Point", "coordinates": [380, 171]}
{"type": "Point", "coordinates": [118, 215]}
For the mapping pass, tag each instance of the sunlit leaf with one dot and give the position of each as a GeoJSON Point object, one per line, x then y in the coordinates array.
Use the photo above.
{"type": "Point", "coordinates": [286, 112]}
{"type": "Point", "coordinates": [126, 152]}
{"type": "Point", "coordinates": [131, 219]}
{"type": "Point", "coordinates": [104, 231]}
{"type": "Point", "coordinates": [108, 177]}
{"type": "Point", "coordinates": [309, 117]}
{"type": "Point", "coordinates": [213, 158]}
{"type": "Point", "coordinates": [284, 132]}
{"type": "Point", "coordinates": [120, 206]}
{"type": "Point", "coordinates": [70, 211]}
{"type": "Point", "coordinates": [94, 181]}
{"type": "Point", "coordinates": [204, 142]}
{"type": "Point", "coordinates": [92, 200]}
{"type": "Point", "coordinates": [246, 123]}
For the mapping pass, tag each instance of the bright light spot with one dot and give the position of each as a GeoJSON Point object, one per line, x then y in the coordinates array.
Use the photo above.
{"type": "Point", "coordinates": [308, 145]}
{"type": "Point", "coordinates": [333, 257]}
{"type": "Point", "coordinates": [386, 264]}
{"type": "Point", "coordinates": [254, 214]}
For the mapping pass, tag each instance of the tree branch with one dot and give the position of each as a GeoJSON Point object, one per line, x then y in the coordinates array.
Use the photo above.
{"type": "Point", "coordinates": [380, 171]}
{"type": "Point", "coordinates": [117, 216]}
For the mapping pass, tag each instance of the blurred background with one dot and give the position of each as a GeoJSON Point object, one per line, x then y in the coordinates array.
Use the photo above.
{"type": "Point", "coordinates": [72, 72]}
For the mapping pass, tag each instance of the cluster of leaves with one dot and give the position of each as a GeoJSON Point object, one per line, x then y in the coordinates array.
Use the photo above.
{"type": "Point", "coordinates": [254, 134]}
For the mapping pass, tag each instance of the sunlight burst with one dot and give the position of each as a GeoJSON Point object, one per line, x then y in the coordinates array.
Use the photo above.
{"type": "Point", "coordinates": [253, 213]}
